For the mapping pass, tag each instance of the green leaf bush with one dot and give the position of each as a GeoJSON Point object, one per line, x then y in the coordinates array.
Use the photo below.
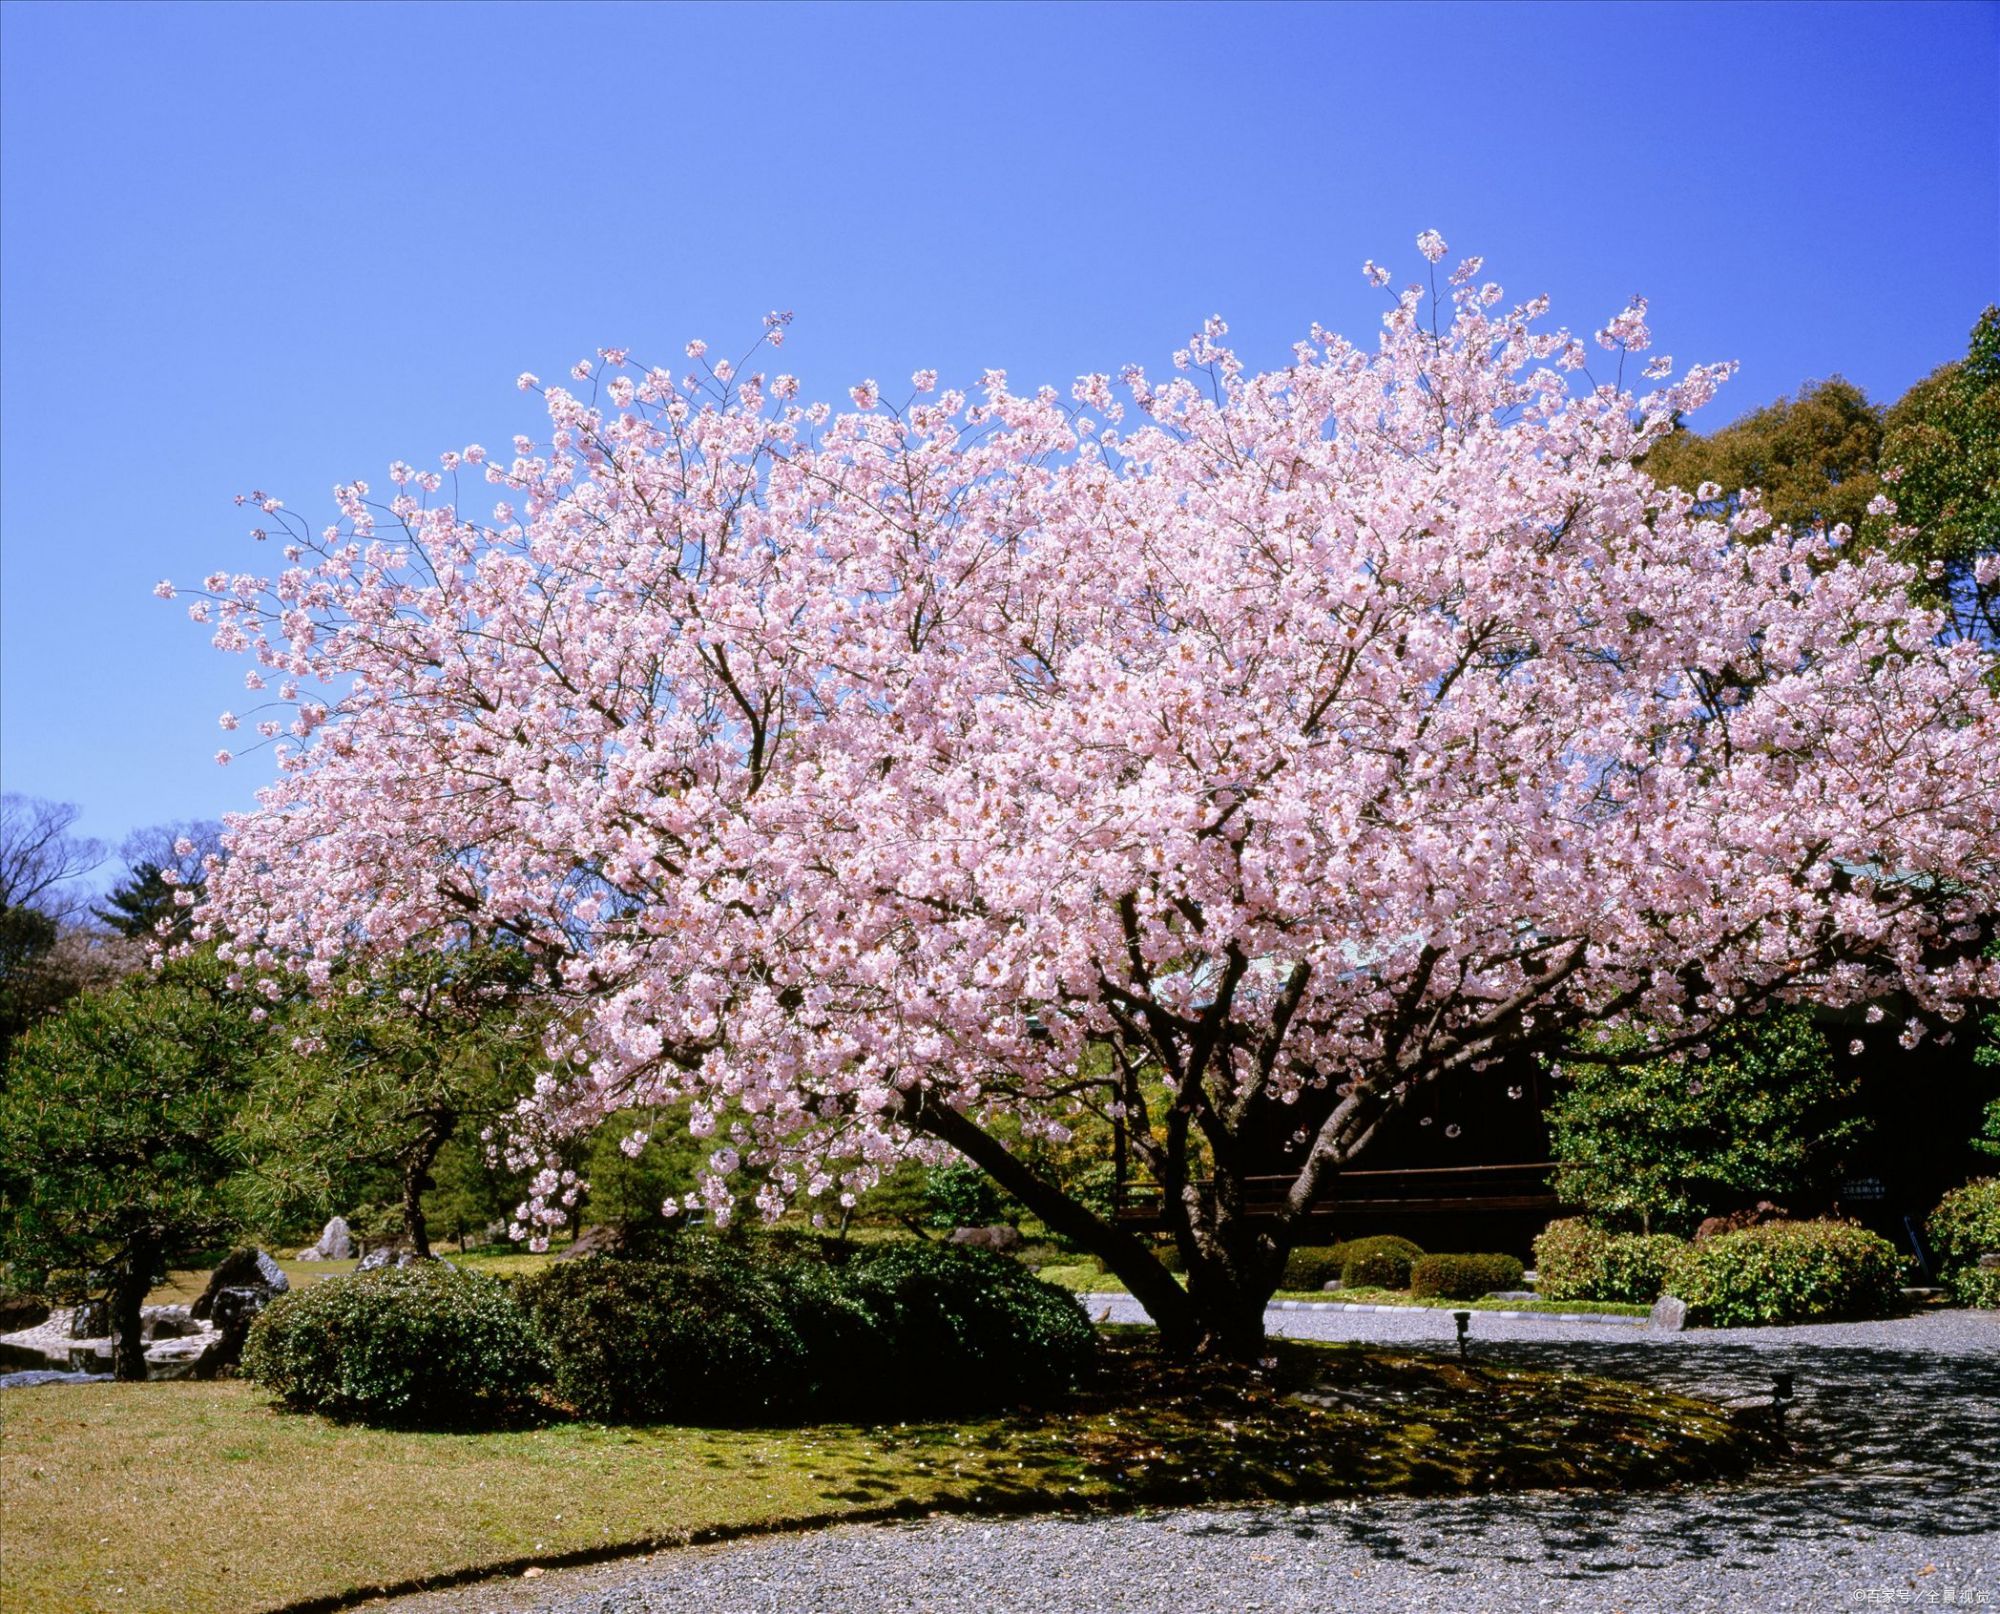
{"type": "Point", "coordinates": [421, 1346]}
{"type": "Point", "coordinates": [1462, 1277]}
{"type": "Point", "coordinates": [711, 1332]}
{"type": "Point", "coordinates": [1788, 1272]}
{"type": "Point", "coordinates": [1576, 1261]}
{"type": "Point", "coordinates": [1965, 1226]}
{"type": "Point", "coordinates": [1381, 1262]}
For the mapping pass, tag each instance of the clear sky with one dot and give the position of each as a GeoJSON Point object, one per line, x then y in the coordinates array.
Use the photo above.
{"type": "Point", "coordinates": [279, 246]}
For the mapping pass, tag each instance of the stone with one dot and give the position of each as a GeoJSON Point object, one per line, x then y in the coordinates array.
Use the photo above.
{"type": "Point", "coordinates": [1990, 1261]}
{"type": "Point", "coordinates": [601, 1238]}
{"type": "Point", "coordinates": [396, 1254]}
{"type": "Point", "coordinates": [90, 1319]}
{"type": "Point", "coordinates": [1670, 1313]}
{"type": "Point", "coordinates": [1757, 1216]}
{"type": "Point", "coordinates": [999, 1238]}
{"type": "Point", "coordinates": [336, 1243]}
{"type": "Point", "coordinates": [241, 1269]}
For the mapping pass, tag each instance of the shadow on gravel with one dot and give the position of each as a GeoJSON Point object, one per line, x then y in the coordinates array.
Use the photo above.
{"type": "Point", "coordinates": [1888, 1440]}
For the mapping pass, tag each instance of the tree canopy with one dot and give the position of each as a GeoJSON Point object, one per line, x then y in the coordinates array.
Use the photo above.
{"type": "Point", "coordinates": [1228, 756]}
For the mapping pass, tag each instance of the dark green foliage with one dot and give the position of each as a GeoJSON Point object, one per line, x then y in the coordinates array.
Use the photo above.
{"type": "Point", "coordinates": [1788, 1272]}
{"type": "Point", "coordinates": [962, 1196]}
{"type": "Point", "coordinates": [965, 1328]}
{"type": "Point", "coordinates": [420, 1346]}
{"type": "Point", "coordinates": [116, 1135]}
{"type": "Point", "coordinates": [700, 1336]}
{"type": "Point", "coordinates": [1965, 1226]}
{"type": "Point", "coordinates": [711, 1332]}
{"type": "Point", "coordinates": [1657, 1145]}
{"type": "Point", "coordinates": [1575, 1261]}
{"type": "Point", "coordinates": [1462, 1277]}
{"type": "Point", "coordinates": [1381, 1261]}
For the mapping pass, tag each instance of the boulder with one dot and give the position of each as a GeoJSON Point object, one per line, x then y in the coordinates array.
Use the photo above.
{"type": "Point", "coordinates": [999, 1238]}
{"type": "Point", "coordinates": [1670, 1313]}
{"type": "Point", "coordinates": [244, 1284]}
{"type": "Point", "coordinates": [1759, 1214]}
{"type": "Point", "coordinates": [600, 1238]}
{"type": "Point", "coordinates": [336, 1243]}
{"type": "Point", "coordinates": [396, 1254]}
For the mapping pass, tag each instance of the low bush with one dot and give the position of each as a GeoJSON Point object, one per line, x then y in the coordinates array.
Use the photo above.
{"type": "Point", "coordinates": [1381, 1262]}
{"type": "Point", "coordinates": [1788, 1272]}
{"type": "Point", "coordinates": [1575, 1261]}
{"type": "Point", "coordinates": [695, 1334]}
{"type": "Point", "coordinates": [714, 1333]}
{"type": "Point", "coordinates": [424, 1345]}
{"type": "Point", "coordinates": [1965, 1226]}
{"type": "Point", "coordinates": [1462, 1277]}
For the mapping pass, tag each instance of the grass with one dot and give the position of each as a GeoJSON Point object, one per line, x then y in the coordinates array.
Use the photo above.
{"type": "Point", "coordinates": [184, 1288]}
{"type": "Point", "coordinates": [205, 1498]}
{"type": "Point", "coordinates": [1088, 1280]}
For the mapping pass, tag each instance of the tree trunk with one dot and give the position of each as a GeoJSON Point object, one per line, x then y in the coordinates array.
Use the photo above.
{"type": "Point", "coordinates": [134, 1277]}
{"type": "Point", "coordinates": [417, 1177]}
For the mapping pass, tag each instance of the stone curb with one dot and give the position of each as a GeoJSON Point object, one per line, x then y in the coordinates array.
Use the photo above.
{"type": "Point", "coordinates": [1608, 1318]}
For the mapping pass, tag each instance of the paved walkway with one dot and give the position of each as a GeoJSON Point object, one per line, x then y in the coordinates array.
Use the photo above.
{"type": "Point", "coordinates": [1904, 1512]}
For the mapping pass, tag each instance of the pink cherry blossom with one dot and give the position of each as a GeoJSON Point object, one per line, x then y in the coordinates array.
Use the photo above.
{"type": "Point", "coordinates": [885, 786]}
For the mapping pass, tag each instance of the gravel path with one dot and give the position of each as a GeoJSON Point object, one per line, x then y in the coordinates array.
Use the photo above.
{"type": "Point", "coordinates": [1903, 1513]}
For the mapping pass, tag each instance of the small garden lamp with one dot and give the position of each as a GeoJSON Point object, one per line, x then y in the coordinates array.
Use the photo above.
{"type": "Point", "coordinates": [1464, 1321]}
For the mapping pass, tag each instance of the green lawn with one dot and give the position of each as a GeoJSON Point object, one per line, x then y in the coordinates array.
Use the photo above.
{"type": "Point", "coordinates": [204, 1498]}
{"type": "Point", "coordinates": [182, 1288]}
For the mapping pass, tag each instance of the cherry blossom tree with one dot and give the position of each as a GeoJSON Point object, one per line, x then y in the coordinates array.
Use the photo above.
{"type": "Point", "coordinates": [1229, 753]}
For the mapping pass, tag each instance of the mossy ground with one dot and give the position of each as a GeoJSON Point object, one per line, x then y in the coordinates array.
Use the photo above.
{"type": "Point", "coordinates": [206, 1498]}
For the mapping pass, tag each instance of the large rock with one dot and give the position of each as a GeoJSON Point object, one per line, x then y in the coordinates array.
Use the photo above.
{"type": "Point", "coordinates": [1670, 1312]}
{"type": "Point", "coordinates": [397, 1254]}
{"type": "Point", "coordinates": [600, 1238]}
{"type": "Point", "coordinates": [336, 1243]}
{"type": "Point", "coordinates": [999, 1238]}
{"type": "Point", "coordinates": [244, 1284]}
{"type": "Point", "coordinates": [1757, 1216]}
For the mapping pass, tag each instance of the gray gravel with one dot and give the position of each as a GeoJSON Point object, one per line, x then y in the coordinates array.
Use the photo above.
{"type": "Point", "coordinates": [1902, 1510]}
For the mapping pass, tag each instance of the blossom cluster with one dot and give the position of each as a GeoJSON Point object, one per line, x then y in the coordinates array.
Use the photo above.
{"type": "Point", "coordinates": [1378, 710]}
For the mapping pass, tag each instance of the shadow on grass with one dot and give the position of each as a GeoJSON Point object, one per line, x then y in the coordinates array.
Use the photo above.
{"type": "Point", "coordinates": [1885, 1441]}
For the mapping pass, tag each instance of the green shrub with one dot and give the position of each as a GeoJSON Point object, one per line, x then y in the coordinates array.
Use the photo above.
{"type": "Point", "coordinates": [965, 1328]}
{"type": "Point", "coordinates": [718, 1333]}
{"type": "Point", "coordinates": [421, 1345]}
{"type": "Point", "coordinates": [1462, 1277]}
{"type": "Point", "coordinates": [1313, 1266]}
{"type": "Point", "coordinates": [1965, 1225]}
{"type": "Point", "coordinates": [1383, 1262]}
{"type": "Point", "coordinates": [1788, 1272]}
{"type": "Point", "coordinates": [697, 1334]}
{"type": "Point", "coordinates": [1575, 1261]}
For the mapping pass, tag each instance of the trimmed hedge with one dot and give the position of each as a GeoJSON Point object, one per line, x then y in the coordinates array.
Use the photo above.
{"type": "Point", "coordinates": [715, 1333]}
{"type": "Point", "coordinates": [424, 1345]}
{"type": "Point", "coordinates": [1966, 1225]}
{"type": "Point", "coordinates": [1575, 1261]}
{"type": "Point", "coordinates": [1462, 1277]}
{"type": "Point", "coordinates": [1788, 1272]}
{"type": "Point", "coordinates": [1380, 1262]}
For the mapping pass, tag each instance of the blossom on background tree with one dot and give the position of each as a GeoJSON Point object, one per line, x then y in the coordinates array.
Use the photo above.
{"type": "Point", "coordinates": [1226, 752]}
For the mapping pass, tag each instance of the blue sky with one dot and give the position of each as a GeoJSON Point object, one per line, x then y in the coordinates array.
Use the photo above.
{"type": "Point", "coordinates": [279, 246]}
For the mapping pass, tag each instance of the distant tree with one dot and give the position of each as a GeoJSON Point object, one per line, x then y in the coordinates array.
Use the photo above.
{"type": "Point", "coordinates": [160, 864]}
{"type": "Point", "coordinates": [1941, 464]}
{"type": "Point", "coordinates": [1660, 1145]}
{"type": "Point", "coordinates": [116, 1138]}
{"type": "Point", "coordinates": [41, 859]}
{"type": "Point", "coordinates": [1815, 456]}
{"type": "Point", "coordinates": [382, 1073]}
